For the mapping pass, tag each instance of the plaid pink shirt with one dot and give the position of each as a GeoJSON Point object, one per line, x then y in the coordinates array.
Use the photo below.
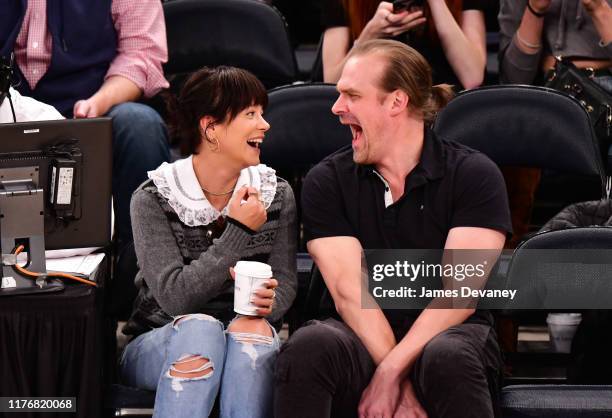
{"type": "Point", "coordinates": [141, 50]}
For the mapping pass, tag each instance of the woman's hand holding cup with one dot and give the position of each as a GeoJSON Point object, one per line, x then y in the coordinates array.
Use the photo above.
{"type": "Point", "coordinates": [254, 296]}
{"type": "Point", "coordinates": [264, 298]}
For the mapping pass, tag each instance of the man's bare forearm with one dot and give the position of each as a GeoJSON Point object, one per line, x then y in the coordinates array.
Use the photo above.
{"type": "Point", "coordinates": [114, 91]}
{"type": "Point", "coordinates": [371, 326]}
{"type": "Point", "coordinates": [339, 260]}
{"type": "Point", "coordinates": [430, 323]}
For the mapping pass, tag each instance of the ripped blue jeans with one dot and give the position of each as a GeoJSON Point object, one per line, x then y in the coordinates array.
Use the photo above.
{"type": "Point", "coordinates": [238, 365]}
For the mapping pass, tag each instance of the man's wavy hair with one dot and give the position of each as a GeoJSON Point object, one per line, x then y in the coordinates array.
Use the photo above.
{"type": "Point", "coordinates": [409, 71]}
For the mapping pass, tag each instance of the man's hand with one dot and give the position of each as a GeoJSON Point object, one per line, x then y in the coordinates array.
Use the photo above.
{"type": "Point", "coordinates": [88, 108]}
{"type": "Point", "coordinates": [114, 91]}
{"type": "Point", "coordinates": [409, 406]}
{"type": "Point", "coordinates": [380, 399]}
{"type": "Point", "coordinates": [251, 213]}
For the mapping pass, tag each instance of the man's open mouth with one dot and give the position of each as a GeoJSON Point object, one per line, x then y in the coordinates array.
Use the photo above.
{"type": "Point", "coordinates": [356, 130]}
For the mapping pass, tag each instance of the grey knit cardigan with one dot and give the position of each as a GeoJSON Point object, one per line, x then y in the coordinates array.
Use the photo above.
{"type": "Point", "coordinates": [182, 271]}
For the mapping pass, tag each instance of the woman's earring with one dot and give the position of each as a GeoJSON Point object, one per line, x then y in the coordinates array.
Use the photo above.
{"type": "Point", "coordinates": [212, 141]}
{"type": "Point", "coordinates": [217, 145]}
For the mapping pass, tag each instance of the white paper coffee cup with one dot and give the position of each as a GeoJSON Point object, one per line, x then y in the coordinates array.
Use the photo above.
{"type": "Point", "coordinates": [250, 276]}
{"type": "Point", "coordinates": [562, 328]}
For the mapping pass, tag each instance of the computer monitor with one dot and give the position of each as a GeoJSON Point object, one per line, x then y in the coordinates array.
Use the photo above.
{"type": "Point", "coordinates": [55, 176]}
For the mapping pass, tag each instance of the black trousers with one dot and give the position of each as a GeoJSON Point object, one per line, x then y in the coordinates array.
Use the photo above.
{"type": "Point", "coordinates": [323, 369]}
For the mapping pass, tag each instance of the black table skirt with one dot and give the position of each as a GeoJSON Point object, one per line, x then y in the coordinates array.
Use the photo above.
{"type": "Point", "coordinates": [52, 345]}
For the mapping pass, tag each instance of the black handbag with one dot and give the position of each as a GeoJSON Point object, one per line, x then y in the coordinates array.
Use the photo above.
{"type": "Point", "coordinates": [578, 83]}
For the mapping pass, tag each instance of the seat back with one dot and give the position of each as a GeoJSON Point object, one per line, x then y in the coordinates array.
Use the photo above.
{"type": "Point", "coordinates": [303, 130]}
{"type": "Point", "coordinates": [533, 127]}
{"type": "Point", "coordinates": [242, 33]}
{"type": "Point", "coordinates": [524, 126]}
{"type": "Point", "coordinates": [566, 269]}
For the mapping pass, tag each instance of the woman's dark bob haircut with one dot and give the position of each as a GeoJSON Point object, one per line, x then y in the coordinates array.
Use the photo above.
{"type": "Point", "coordinates": [221, 93]}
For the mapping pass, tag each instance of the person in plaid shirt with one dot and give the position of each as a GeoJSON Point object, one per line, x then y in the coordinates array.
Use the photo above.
{"type": "Point", "coordinates": [91, 58]}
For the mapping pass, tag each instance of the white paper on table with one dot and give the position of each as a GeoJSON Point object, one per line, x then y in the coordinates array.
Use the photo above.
{"type": "Point", "coordinates": [23, 257]}
{"type": "Point", "coordinates": [81, 264]}
{"type": "Point", "coordinates": [70, 252]}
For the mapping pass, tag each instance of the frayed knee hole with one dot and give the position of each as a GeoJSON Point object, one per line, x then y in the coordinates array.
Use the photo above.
{"type": "Point", "coordinates": [191, 367]}
{"type": "Point", "coordinates": [191, 375]}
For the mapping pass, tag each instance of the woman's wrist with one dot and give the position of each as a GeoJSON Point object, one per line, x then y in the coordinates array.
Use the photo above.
{"type": "Point", "coordinates": [537, 12]}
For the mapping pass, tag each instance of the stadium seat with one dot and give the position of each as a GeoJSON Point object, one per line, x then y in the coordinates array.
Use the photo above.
{"type": "Point", "coordinates": [524, 126]}
{"type": "Point", "coordinates": [242, 33]}
{"type": "Point", "coordinates": [535, 127]}
{"type": "Point", "coordinates": [572, 278]}
{"type": "Point", "coordinates": [556, 401]}
{"type": "Point", "coordinates": [303, 132]}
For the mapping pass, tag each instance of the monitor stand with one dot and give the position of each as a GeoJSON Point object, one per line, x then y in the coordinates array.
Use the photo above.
{"type": "Point", "coordinates": [22, 222]}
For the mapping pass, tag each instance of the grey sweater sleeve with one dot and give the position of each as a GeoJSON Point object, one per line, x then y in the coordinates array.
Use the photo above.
{"type": "Point", "coordinates": [180, 288]}
{"type": "Point", "coordinates": [515, 66]}
{"type": "Point", "coordinates": [283, 256]}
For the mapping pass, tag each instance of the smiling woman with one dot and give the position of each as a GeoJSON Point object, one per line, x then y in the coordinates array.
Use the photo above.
{"type": "Point", "coordinates": [193, 220]}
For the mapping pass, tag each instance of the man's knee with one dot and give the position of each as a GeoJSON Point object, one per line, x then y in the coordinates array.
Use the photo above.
{"type": "Point", "coordinates": [311, 345]}
{"type": "Point", "coordinates": [128, 113]}
{"type": "Point", "coordinates": [135, 124]}
{"type": "Point", "coordinates": [448, 355]}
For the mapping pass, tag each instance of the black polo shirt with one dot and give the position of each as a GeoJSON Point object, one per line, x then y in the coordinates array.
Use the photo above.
{"type": "Point", "coordinates": [451, 186]}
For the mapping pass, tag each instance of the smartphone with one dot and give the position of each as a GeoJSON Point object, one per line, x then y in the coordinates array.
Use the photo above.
{"type": "Point", "coordinates": [401, 5]}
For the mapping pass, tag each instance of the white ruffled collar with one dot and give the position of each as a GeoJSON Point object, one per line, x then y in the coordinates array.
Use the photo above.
{"type": "Point", "coordinates": [178, 184]}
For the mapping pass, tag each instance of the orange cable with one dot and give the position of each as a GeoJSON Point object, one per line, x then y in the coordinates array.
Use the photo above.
{"type": "Point", "coordinates": [29, 273]}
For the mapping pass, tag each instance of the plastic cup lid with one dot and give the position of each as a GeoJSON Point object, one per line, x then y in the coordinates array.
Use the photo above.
{"type": "Point", "coordinates": [253, 268]}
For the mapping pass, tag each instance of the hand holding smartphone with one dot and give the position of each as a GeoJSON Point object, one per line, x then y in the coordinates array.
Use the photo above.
{"type": "Point", "coordinates": [401, 5]}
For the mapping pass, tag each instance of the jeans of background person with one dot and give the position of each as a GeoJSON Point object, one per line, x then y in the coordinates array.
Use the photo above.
{"type": "Point", "coordinates": [324, 368]}
{"type": "Point", "coordinates": [140, 144]}
{"type": "Point", "coordinates": [242, 369]}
